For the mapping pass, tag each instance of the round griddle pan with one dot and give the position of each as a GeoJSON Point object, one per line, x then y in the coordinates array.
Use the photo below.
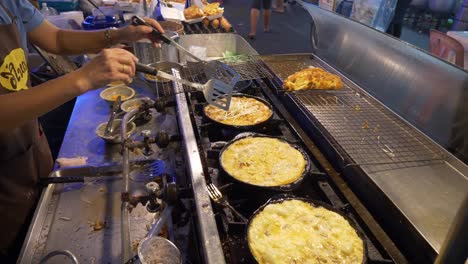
{"type": "Point", "coordinates": [284, 197]}
{"type": "Point", "coordinates": [247, 127]}
{"type": "Point", "coordinates": [283, 188]}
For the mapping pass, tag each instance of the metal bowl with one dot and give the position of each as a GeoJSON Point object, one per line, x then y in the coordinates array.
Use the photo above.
{"type": "Point", "coordinates": [172, 26]}
{"type": "Point", "coordinates": [115, 137]}
{"type": "Point", "coordinates": [131, 104]}
{"type": "Point", "coordinates": [157, 249]}
{"type": "Point", "coordinates": [110, 94]}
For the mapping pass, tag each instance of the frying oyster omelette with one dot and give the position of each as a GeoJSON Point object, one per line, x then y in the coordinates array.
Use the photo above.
{"type": "Point", "coordinates": [263, 161]}
{"type": "Point", "coordinates": [294, 231]}
{"type": "Point", "coordinates": [313, 78]}
{"type": "Point", "coordinates": [243, 111]}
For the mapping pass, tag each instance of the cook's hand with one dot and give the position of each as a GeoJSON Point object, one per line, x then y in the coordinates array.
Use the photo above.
{"type": "Point", "coordinates": [134, 33]}
{"type": "Point", "coordinates": [110, 65]}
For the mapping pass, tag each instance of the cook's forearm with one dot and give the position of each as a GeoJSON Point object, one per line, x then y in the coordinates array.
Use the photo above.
{"type": "Point", "coordinates": [73, 42]}
{"type": "Point", "coordinates": [39, 100]}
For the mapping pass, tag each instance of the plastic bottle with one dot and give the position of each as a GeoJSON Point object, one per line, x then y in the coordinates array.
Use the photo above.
{"type": "Point", "coordinates": [46, 11]}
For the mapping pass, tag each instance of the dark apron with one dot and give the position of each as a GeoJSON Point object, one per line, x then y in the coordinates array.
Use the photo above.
{"type": "Point", "coordinates": [24, 152]}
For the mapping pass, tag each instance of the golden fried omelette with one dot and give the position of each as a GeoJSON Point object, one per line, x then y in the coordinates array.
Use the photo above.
{"type": "Point", "coordinates": [313, 78]}
{"type": "Point", "coordinates": [193, 12]}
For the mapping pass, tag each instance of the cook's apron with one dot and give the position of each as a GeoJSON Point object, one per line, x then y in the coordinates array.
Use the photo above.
{"type": "Point", "coordinates": [24, 152]}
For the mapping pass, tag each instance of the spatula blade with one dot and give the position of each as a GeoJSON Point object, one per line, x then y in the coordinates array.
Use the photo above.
{"type": "Point", "coordinates": [218, 93]}
{"type": "Point", "coordinates": [221, 71]}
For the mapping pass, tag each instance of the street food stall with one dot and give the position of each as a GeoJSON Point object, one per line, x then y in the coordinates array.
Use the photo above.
{"type": "Point", "coordinates": [368, 166]}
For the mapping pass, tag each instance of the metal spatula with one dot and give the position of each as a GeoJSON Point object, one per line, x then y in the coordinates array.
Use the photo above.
{"type": "Point", "coordinates": [213, 69]}
{"type": "Point", "coordinates": [215, 91]}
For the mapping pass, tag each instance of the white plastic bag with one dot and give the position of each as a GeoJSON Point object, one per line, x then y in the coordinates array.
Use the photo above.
{"type": "Point", "coordinates": [375, 13]}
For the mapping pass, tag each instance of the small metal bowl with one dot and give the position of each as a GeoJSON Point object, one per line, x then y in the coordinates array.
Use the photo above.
{"type": "Point", "coordinates": [172, 26]}
{"type": "Point", "coordinates": [131, 104]}
{"type": "Point", "coordinates": [115, 137]}
{"type": "Point", "coordinates": [157, 249]}
{"type": "Point", "coordinates": [110, 94]}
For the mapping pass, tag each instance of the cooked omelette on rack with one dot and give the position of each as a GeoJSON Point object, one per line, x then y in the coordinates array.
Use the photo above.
{"type": "Point", "coordinates": [243, 111]}
{"type": "Point", "coordinates": [313, 78]}
{"type": "Point", "coordinates": [263, 161]}
{"type": "Point", "coordinates": [294, 231]}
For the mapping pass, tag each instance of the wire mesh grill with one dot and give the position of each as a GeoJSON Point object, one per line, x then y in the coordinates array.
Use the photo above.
{"type": "Point", "coordinates": [359, 126]}
{"type": "Point", "coordinates": [249, 67]}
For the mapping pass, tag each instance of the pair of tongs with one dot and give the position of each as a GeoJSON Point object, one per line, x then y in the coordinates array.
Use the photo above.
{"type": "Point", "coordinates": [222, 79]}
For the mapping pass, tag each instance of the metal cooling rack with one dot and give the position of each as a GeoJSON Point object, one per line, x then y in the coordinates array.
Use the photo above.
{"type": "Point", "coordinates": [360, 127]}
{"type": "Point", "coordinates": [249, 67]}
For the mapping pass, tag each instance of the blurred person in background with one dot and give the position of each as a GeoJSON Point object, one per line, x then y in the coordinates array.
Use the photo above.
{"type": "Point", "coordinates": [258, 5]}
{"type": "Point", "coordinates": [396, 25]}
{"type": "Point", "coordinates": [24, 153]}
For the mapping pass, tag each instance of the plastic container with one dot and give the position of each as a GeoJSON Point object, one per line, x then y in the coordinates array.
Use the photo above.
{"type": "Point", "coordinates": [101, 22]}
{"type": "Point", "coordinates": [62, 6]}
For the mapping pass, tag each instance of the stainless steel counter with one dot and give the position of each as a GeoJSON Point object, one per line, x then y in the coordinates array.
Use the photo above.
{"type": "Point", "coordinates": [66, 213]}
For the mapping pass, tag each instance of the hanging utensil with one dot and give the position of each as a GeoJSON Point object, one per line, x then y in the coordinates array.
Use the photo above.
{"type": "Point", "coordinates": [144, 170]}
{"type": "Point", "coordinates": [215, 91]}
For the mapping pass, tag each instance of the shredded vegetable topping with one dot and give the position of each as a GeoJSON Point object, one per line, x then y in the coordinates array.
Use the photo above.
{"type": "Point", "coordinates": [244, 111]}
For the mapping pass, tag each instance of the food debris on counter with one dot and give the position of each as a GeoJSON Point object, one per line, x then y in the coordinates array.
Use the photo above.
{"type": "Point", "coordinates": [69, 162]}
{"type": "Point", "coordinates": [97, 225]}
{"type": "Point", "coordinates": [365, 125]}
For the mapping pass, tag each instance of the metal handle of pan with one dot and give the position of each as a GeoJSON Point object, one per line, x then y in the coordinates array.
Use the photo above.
{"type": "Point", "coordinates": [153, 71]}
{"type": "Point", "coordinates": [65, 179]}
{"type": "Point", "coordinates": [146, 69]}
{"type": "Point", "coordinates": [236, 213]}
